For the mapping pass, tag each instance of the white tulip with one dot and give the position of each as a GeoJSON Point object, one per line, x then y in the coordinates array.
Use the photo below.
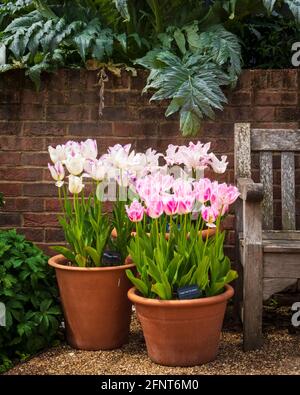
{"type": "Point", "coordinates": [218, 166]}
{"type": "Point", "coordinates": [74, 165]}
{"type": "Point", "coordinates": [89, 149]}
{"type": "Point", "coordinates": [75, 184]}
{"type": "Point", "coordinates": [57, 154]}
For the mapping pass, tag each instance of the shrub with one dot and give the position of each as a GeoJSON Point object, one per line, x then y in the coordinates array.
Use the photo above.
{"type": "Point", "coordinates": [28, 291]}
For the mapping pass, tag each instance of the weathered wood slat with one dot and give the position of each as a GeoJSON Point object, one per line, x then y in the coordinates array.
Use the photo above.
{"type": "Point", "coordinates": [266, 178]}
{"type": "Point", "coordinates": [281, 235]}
{"type": "Point", "coordinates": [275, 140]}
{"type": "Point", "coordinates": [281, 265]}
{"type": "Point", "coordinates": [288, 190]}
{"type": "Point", "coordinates": [242, 149]}
{"type": "Point", "coordinates": [283, 247]}
{"type": "Point", "coordinates": [273, 285]}
{"type": "Point", "coordinates": [252, 274]}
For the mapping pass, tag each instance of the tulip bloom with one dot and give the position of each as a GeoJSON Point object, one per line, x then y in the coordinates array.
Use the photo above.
{"type": "Point", "coordinates": [57, 154]}
{"type": "Point", "coordinates": [155, 209]}
{"type": "Point", "coordinates": [89, 149]}
{"type": "Point", "coordinates": [58, 173]}
{"type": "Point", "coordinates": [135, 211]}
{"type": "Point", "coordinates": [74, 165]}
{"type": "Point", "coordinates": [75, 184]}
{"type": "Point", "coordinates": [210, 215]}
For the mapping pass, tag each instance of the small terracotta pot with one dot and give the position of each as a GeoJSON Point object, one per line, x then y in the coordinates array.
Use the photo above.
{"type": "Point", "coordinates": [96, 308]}
{"type": "Point", "coordinates": [181, 332]}
{"type": "Point", "coordinates": [205, 233]}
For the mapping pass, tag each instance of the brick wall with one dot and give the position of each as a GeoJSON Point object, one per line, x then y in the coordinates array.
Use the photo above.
{"type": "Point", "coordinates": [66, 108]}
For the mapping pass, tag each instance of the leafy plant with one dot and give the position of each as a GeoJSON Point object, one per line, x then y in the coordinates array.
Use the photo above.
{"type": "Point", "coordinates": [204, 36]}
{"type": "Point", "coordinates": [86, 230]}
{"type": "Point", "coordinates": [29, 293]}
{"type": "Point", "coordinates": [182, 259]}
{"type": "Point", "coordinates": [208, 60]}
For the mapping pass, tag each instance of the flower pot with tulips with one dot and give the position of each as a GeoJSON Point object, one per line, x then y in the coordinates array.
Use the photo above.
{"type": "Point", "coordinates": [93, 291]}
{"type": "Point", "coordinates": [180, 329]}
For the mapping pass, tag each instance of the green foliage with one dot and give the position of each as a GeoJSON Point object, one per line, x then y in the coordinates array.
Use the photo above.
{"type": "Point", "coordinates": [123, 227]}
{"type": "Point", "coordinates": [28, 290]}
{"type": "Point", "coordinates": [164, 265]}
{"type": "Point", "coordinates": [86, 228]}
{"type": "Point", "coordinates": [268, 41]}
{"type": "Point", "coordinates": [43, 35]}
{"type": "Point", "coordinates": [2, 202]}
{"type": "Point", "coordinates": [192, 80]}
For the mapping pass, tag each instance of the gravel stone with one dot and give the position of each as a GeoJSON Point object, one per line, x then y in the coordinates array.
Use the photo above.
{"type": "Point", "coordinates": [279, 355]}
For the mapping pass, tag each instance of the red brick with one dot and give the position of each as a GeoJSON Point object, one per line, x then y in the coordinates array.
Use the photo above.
{"type": "Point", "coordinates": [20, 174]}
{"type": "Point", "coordinates": [241, 98]}
{"type": "Point", "coordinates": [10, 159]}
{"type": "Point", "coordinates": [287, 114]}
{"type": "Point", "coordinates": [67, 113]}
{"type": "Point", "coordinates": [115, 82]}
{"type": "Point", "coordinates": [54, 235]}
{"type": "Point", "coordinates": [114, 113]}
{"type": "Point", "coordinates": [9, 112]}
{"type": "Point", "coordinates": [35, 159]}
{"type": "Point", "coordinates": [260, 79]}
{"type": "Point", "coordinates": [10, 189]}
{"type": "Point", "coordinates": [133, 129]}
{"type": "Point", "coordinates": [11, 219]}
{"type": "Point", "coordinates": [228, 222]}
{"type": "Point", "coordinates": [90, 129]}
{"type": "Point", "coordinates": [139, 82]}
{"type": "Point", "coordinates": [244, 81]}
{"type": "Point", "coordinates": [23, 204]}
{"type": "Point", "coordinates": [40, 189]}
{"type": "Point", "coordinates": [52, 205]}
{"type": "Point", "coordinates": [267, 98]}
{"type": "Point", "coordinates": [264, 114]}
{"type": "Point", "coordinates": [31, 112]}
{"type": "Point", "coordinates": [44, 128]}
{"type": "Point", "coordinates": [283, 79]}
{"type": "Point", "coordinates": [46, 248]}
{"type": "Point", "coordinates": [33, 234]}
{"type": "Point", "coordinates": [10, 128]}
{"type": "Point", "coordinates": [30, 96]}
{"type": "Point", "coordinates": [13, 143]}
{"type": "Point", "coordinates": [9, 97]}
{"type": "Point", "coordinates": [39, 219]}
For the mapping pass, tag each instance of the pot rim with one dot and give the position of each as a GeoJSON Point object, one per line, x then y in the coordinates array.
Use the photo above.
{"type": "Point", "coordinates": [56, 262]}
{"type": "Point", "coordinates": [137, 299]}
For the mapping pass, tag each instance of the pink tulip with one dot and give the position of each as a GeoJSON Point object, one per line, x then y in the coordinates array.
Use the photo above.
{"type": "Point", "coordinates": [57, 172]}
{"type": "Point", "coordinates": [170, 204]}
{"type": "Point", "coordinates": [135, 211]}
{"type": "Point", "coordinates": [155, 209]}
{"type": "Point", "coordinates": [185, 205]}
{"type": "Point", "coordinates": [209, 215]}
{"type": "Point", "coordinates": [202, 190]}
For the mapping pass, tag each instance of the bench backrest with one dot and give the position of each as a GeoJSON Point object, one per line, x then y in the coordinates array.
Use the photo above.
{"type": "Point", "coordinates": [266, 142]}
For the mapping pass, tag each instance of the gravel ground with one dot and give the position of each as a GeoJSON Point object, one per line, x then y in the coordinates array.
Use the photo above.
{"type": "Point", "coordinates": [279, 355]}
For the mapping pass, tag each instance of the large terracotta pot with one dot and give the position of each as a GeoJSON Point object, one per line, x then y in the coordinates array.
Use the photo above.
{"type": "Point", "coordinates": [96, 308]}
{"type": "Point", "coordinates": [181, 332]}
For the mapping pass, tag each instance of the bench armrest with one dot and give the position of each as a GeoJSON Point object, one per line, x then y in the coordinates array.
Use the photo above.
{"type": "Point", "coordinates": [250, 191]}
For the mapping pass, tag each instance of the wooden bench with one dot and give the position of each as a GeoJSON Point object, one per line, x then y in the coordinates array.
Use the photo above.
{"type": "Point", "coordinates": [268, 260]}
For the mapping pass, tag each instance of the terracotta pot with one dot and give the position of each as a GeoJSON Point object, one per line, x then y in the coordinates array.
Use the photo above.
{"type": "Point", "coordinates": [205, 233]}
{"type": "Point", "coordinates": [96, 308]}
{"type": "Point", "coordinates": [181, 332]}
